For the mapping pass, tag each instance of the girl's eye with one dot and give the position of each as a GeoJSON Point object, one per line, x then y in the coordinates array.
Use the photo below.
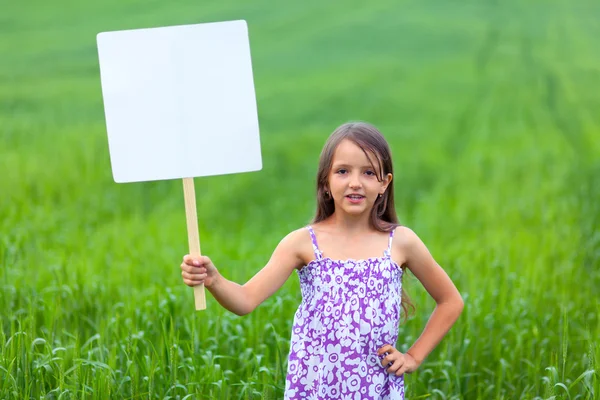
{"type": "Point", "coordinates": [370, 173]}
{"type": "Point", "coordinates": [342, 171]}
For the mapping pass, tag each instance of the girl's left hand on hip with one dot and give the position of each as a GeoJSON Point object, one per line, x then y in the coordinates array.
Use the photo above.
{"type": "Point", "coordinates": [398, 363]}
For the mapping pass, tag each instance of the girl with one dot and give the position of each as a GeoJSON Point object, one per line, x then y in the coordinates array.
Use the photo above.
{"type": "Point", "coordinates": [350, 262]}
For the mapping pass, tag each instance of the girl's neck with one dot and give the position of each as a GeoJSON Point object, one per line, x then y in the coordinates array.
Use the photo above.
{"type": "Point", "coordinates": [349, 224]}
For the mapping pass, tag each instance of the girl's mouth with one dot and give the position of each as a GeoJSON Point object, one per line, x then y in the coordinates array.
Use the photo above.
{"type": "Point", "coordinates": [355, 198]}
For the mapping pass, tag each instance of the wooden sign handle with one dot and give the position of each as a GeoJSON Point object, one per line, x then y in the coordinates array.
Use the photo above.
{"type": "Point", "coordinates": [189, 195]}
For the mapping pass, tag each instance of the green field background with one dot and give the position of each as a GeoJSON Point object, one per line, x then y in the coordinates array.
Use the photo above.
{"type": "Point", "coordinates": [492, 110]}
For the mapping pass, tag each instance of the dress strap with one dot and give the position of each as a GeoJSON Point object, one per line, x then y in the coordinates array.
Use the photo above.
{"type": "Point", "coordinates": [388, 251]}
{"type": "Point", "coordinates": [315, 246]}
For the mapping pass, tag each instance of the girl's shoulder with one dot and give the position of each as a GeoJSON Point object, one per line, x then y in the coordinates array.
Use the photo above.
{"type": "Point", "coordinates": [298, 235]}
{"type": "Point", "coordinates": [299, 242]}
{"type": "Point", "coordinates": [408, 244]}
{"type": "Point", "coordinates": [403, 237]}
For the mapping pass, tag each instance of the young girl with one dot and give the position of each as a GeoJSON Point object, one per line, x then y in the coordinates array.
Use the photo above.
{"type": "Point", "coordinates": [350, 262]}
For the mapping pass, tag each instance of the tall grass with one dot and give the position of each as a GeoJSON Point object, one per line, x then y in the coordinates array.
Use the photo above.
{"type": "Point", "coordinates": [491, 111]}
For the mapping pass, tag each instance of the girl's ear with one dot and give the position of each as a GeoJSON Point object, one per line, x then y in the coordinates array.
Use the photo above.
{"type": "Point", "coordinates": [386, 182]}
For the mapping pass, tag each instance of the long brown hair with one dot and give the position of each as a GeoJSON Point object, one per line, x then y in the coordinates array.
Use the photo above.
{"type": "Point", "coordinates": [383, 214]}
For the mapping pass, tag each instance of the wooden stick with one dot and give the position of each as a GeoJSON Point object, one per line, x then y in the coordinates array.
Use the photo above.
{"type": "Point", "coordinates": [189, 195]}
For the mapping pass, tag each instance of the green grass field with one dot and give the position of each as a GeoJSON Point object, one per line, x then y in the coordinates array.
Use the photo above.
{"type": "Point", "coordinates": [492, 111]}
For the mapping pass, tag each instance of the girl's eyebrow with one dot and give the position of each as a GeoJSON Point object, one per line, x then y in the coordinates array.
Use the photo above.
{"type": "Point", "coordinates": [343, 165]}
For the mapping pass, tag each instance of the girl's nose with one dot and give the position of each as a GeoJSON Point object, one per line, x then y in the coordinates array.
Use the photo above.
{"type": "Point", "coordinates": [355, 183]}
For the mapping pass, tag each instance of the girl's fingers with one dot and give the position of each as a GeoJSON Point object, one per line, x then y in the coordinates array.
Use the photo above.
{"type": "Point", "coordinates": [387, 360]}
{"type": "Point", "coordinates": [193, 270]}
{"type": "Point", "coordinates": [196, 261]}
{"type": "Point", "coordinates": [189, 260]}
{"type": "Point", "coordinates": [391, 357]}
{"type": "Point", "coordinates": [193, 277]}
{"type": "Point", "coordinates": [386, 349]}
{"type": "Point", "coordinates": [401, 370]}
{"type": "Point", "coordinates": [192, 283]}
{"type": "Point", "coordinates": [397, 365]}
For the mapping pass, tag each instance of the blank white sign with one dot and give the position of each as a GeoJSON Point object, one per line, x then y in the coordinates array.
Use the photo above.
{"type": "Point", "coordinates": [179, 101]}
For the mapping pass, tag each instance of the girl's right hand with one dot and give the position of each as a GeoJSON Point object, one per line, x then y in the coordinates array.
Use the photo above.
{"type": "Point", "coordinates": [198, 270]}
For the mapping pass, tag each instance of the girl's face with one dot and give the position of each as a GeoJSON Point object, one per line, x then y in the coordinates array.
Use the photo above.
{"type": "Point", "coordinates": [353, 180]}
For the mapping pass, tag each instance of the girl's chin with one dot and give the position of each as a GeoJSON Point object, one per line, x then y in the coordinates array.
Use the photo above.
{"type": "Point", "coordinates": [354, 210]}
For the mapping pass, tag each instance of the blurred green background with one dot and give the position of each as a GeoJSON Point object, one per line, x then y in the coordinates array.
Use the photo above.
{"type": "Point", "coordinates": [491, 109]}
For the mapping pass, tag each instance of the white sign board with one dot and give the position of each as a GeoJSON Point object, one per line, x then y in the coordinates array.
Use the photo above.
{"type": "Point", "coordinates": [180, 103]}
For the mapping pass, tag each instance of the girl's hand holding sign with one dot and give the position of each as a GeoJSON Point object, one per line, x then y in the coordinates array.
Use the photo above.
{"type": "Point", "coordinates": [198, 270]}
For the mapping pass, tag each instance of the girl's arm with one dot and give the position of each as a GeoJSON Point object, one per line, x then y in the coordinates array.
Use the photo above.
{"type": "Point", "coordinates": [243, 299]}
{"type": "Point", "coordinates": [439, 286]}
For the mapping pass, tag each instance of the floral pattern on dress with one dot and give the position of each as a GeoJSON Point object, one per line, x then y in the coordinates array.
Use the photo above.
{"type": "Point", "coordinates": [349, 310]}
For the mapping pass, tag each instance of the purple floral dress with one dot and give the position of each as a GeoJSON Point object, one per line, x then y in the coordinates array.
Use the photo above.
{"type": "Point", "coordinates": [349, 310]}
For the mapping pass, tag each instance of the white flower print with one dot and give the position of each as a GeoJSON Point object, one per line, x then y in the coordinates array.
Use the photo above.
{"type": "Point", "coordinates": [333, 391]}
{"type": "Point", "coordinates": [313, 396]}
{"type": "Point", "coordinates": [362, 291]}
{"type": "Point", "coordinates": [328, 309]}
{"type": "Point", "coordinates": [386, 273]}
{"type": "Point", "coordinates": [361, 267]}
{"type": "Point", "coordinates": [351, 361]}
{"type": "Point", "coordinates": [375, 390]}
{"type": "Point", "coordinates": [365, 327]}
{"type": "Point", "coordinates": [332, 360]}
{"type": "Point", "coordinates": [337, 313]}
{"type": "Point", "coordinates": [371, 284]}
{"type": "Point", "coordinates": [362, 370]}
{"type": "Point", "coordinates": [354, 304]}
{"type": "Point", "coordinates": [356, 344]}
{"type": "Point", "coordinates": [353, 383]}
{"type": "Point", "coordinates": [374, 312]}
{"type": "Point", "coordinates": [309, 380]}
{"type": "Point", "coordinates": [293, 366]}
